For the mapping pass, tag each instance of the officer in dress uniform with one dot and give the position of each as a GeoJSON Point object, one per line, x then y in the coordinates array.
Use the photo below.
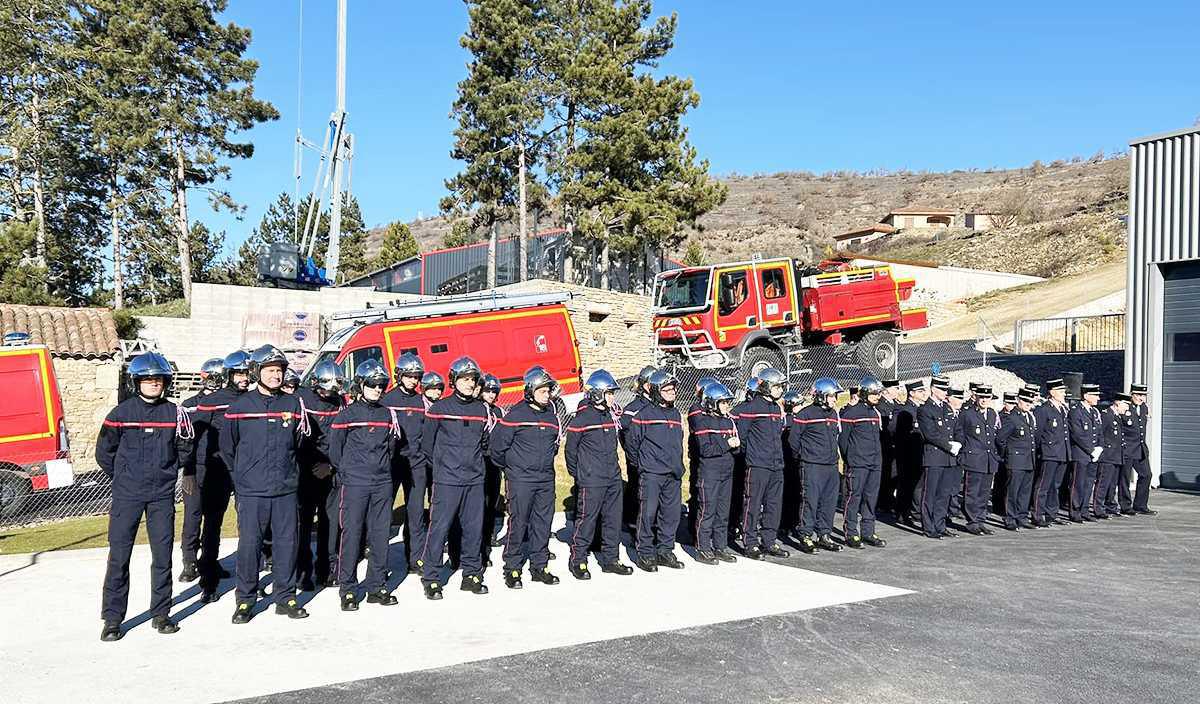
{"type": "Point", "coordinates": [263, 428]}
{"type": "Point", "coordinates": [493, 499]}
{"type": "Point", "coordinates": [142, 445]}
{"type": "Point", "coordinates": [641, 397]}
{"type": "Point", "coordinates": [717, 441]}
{"type": "Point", "coordinates": [362, 441]}
{"type": "Point", "coordinates": [316, 495]}
{"type": "Point", "coordinates": [862, 455]}
{"type": "Point", "coordinates": [936, 420]}
{"type": "Point", "coordinates": [1137, 454]}
{"type": "Point", "coordinates": [759, 422]}
{"type": "Point", "coordinates": [453, 440]}
{"type": "Point", "coordinates": [1084, 423]}
{"type": "Point", "coordinates": [814, 439]}
{"type": "Point", "coordinates": [887, 407]}
{"type": "Point", "coordinates": [976, 430]}
{"type": "Point", "coordinates": [591, 456]}
{"type": "Point", "coordinates": [909, 451]}
{"type": "Point", "coordinates": [1053, 446]}
{"type": "Point", "coordinates": [1016, 441]}
{"type": "Point", "coordinates": [524, 444]}
{"type": "Point", "coordinates": [409, 462]}
{"type": "Point", "coordinates": [212, 378]}
{"type": "Point", "coordinates": [1108, 467]}
{"type": "Point", "coordinates": [655, 442]}
{"type": "Point", "coordinates": [214, 484]}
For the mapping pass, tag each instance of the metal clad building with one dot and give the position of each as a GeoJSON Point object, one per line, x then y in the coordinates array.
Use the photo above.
{"type": "Point", "coordinates": [1163, 298]}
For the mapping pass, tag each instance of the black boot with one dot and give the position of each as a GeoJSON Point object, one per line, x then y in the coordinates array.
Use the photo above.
{"type": "Point", "coordinates": [543, 575]}
{"type": "Point", "coordinates": [111, 632]}
{"type": "Point", "coordinates": [826, 543]}
{"type": "Point", "coordinates": [777, 550]}
{"type": "Point", "coordinates": [725, 556]}
{"type": "Point", "coordinates": [617, 568]}
{"type": "Point", "coordinates": [190, 572]}
{"type": "Point", "coordinates": [754, 552]}
{"type": "Point", "coordinates": [807, 546]}
{"type": "Point", "coordinates": [381, 597]}
{"type": "Point", "coordinates": [349, 602]}
{"type": "Point", "coordinates": [291, 608]}
{"type": "Point", "coordinates": [668, 559]}
{"type": "Point", "coordinates": [579, 570]}
{"type": "Point", "coordinates": [706, 557]}
{"type": "Point", "coordinates": [208, 597]}
{"type": "Point", "coordinates": [243, 613]}
{"type": "Point", "coordinates": [164, 624]}
{"type": "Point", "coordinates": [875, 541]}
{"type": "Point", "coordinates": [329, 582]}
{"type": "Point", "coordinates": [433, 591]}
{"type": "Point", "coordinates": [512, 579]}
{"type": "Point", "coordinates": [307, 585]}
{"type": "Point", "coordinates": [854, 542]}
{"type": "Point", "coordinates": [474, 584]}
{"type": "Point", "coordinates": [647, 564]}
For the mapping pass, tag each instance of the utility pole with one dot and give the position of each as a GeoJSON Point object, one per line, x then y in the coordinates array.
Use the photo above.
{"type": "Point", "coordinates": [522, 256]}
{"type": "Point", "coordinates": [491, 258]}
{"type": "Point", "coordinates": [335, 215]}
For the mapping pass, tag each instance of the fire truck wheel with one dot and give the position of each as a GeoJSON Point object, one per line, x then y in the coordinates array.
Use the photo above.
{"type": "Point", "coordinates": [757, 359]}
{"type": "Point", "coordinates": [15, 490]}
{"type": "Point", "coordinates": [876, 352]}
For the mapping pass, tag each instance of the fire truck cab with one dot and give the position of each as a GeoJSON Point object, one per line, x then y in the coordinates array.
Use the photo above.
{"type": "Point", "coordinates": [765, 311]}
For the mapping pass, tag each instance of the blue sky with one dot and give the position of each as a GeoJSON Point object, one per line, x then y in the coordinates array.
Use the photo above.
{"type": "Point", "coordinates": [784, 85]}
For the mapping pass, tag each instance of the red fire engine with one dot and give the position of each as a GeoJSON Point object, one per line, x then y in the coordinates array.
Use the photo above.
{"type": "Point", "coordinates": [769, 311]}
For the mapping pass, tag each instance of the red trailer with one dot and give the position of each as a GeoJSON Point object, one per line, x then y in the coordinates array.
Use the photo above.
{"type": "Point", "coordinates": [34, 450]}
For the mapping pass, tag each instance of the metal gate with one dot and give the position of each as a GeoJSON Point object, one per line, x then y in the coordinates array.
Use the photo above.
{"type": "Point", "coordinates": [1181, 376]}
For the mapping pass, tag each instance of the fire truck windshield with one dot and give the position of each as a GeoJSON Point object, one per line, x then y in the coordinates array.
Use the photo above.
{"type": "Point", "coordinates": [684, 291]}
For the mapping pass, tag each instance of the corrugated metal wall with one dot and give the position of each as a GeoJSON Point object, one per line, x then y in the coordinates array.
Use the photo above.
{"type": "Point", "coordinates": [1164, 226]}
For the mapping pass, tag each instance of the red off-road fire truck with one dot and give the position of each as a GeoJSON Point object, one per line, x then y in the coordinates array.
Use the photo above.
{"type": "Point", "coordinates": [747, 315]}
{"type": "Point", "coordinates": [506, 335]}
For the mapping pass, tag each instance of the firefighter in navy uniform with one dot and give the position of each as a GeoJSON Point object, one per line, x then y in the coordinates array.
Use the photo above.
{"type": "Point", "coordinates": [814, 440]}
{"type": "Point", "coordinates": [263, 428]}
{"type": "Point", "coordinates": [1053, 448]}
{"type": "Point", "coordinates": [143, 442]}
{"type": "Point", "coordinates": [641, 397]}
{"type": "Point", "coordinates": [936, 420]}
{"type": "Point", "coordinates": [316, 495]}
{"type": "Point", "coordinates": [291, 381]}
{"type": "Point", "coordinates": [493, 499]}
{"type": "Point", "coordinates": [362, 442]}
{"type": "Point", "coordinates": [1137, 455]}
{"type": "Point", "coordinates": [976, 430]}
{"type": "Point", "coordinates": [759, 422]}
{"type": "Point", "coordinates": [793, 477]}
{"type": "Point", "coordinates": [1108, 466]}
{"type": "Point", "coordinates": [1016, 441]}
{"type": "Point", "coordinates": [212, 378]}
{"type": "Point", "coordinates": [453, 440]}
{"type": "Point", "coordinates": [1084, 424]}
{"type": "Point", "coordinates": [655, 441]}
{"type": "Point", "coordinates": [524, 444]}
{"type": "Point", "coordinates": [208, 422]}
{"type": "Point", "coordinates": [410, 463]}
{"type": "Point", "coordinates": [717, 441]}
{"type": "Point", "coordinates": [909, 451]}
{"type": "Point", "coordinates": [887, 407]}
{"type": "Point", "coordinates": [433, 387]}
{"type": "Point", "coordinates": [591, 454]}
{"type": "Point", "coordinates": [862, 451]}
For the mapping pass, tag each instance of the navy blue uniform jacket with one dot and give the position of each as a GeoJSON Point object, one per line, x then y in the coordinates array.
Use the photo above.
{"type": "Point", "coordinates": [1084, 422]}
{"type": "Point", "coordinates": [260, 440]}
{"type": "Point", "coordinates": [362, 439]}
{"type": "Point", "coordinates": [208, 419]}
{"type": "Point", "coordinates": [760, 425]}
{"type": "Point", "coordinates": [1135, 432]}
{"type": "Point", "coordinates": [410, 414]}
{"type": "Point", "coordinates": [1053, 439]}
{"type": "Point", "coordinates": [712, 433]}
{"type": "Point", "coordinates": [860, 439]}
{"type": "Point", "coordinates": [592, 447]}
{"type": "Point", "coordinates": [315, 448]}
{"type": "Point", "coordinates": [627, 415]}
{"type": "Point", "coordinates": [1016, 439]}
{"type": "Point", "coordinates": [1112, 435]}
{"type": "Point", "coordinates": [141, 448]}
{"type": "Point", "coordinates": [453, 439]}
{"type": "Point", "coordinates": [814, 435]}
{"type": "Point", "coordinates": [937, 422]}
{"type": "Point", "coordinates": [976, 430]}
{"type": "Point", "coordinates": [525, 442]}
{"type": "Point", "coordinates": [655, 440]}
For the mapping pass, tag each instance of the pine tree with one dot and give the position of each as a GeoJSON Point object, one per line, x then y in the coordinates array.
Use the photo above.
{"type": "Point", "coordinates": [694, 255]}
{"type": "Point", "coordinates": [398, 244]}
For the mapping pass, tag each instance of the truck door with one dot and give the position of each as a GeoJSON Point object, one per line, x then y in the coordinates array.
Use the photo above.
{"type": "Point", "coordinates": [737, 305]}
{"type": "Point", "coordinates": [778, 291]}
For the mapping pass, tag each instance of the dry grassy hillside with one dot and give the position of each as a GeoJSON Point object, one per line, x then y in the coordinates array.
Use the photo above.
{"type": "Point", "coordinates": [1064, 216]}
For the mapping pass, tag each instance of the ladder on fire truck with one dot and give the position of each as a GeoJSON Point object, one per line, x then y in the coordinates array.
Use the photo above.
{"type": "Point", "coordinates": [449, 305]}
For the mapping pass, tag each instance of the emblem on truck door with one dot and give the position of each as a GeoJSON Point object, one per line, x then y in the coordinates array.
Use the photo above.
{"type": "Point", "coordinates": [539, 343]}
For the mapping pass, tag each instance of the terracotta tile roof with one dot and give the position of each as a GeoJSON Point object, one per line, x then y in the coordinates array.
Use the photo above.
{"type": "Point", "coordinates": [879, 227]}
{"type": "Point", "coordinates": [90, 333]}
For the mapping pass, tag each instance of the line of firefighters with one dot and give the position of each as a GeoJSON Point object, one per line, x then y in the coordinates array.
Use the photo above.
{"type": "Point", "coordinates": [308, 470]}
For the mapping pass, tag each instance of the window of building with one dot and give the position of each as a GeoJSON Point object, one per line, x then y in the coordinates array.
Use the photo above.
{"type": "Point", "coordinates": [1184, 347]}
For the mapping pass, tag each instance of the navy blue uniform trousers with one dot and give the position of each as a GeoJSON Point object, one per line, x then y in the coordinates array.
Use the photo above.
{"type": "Point", "coordinates": [1083, 485]}
{"type": "Point", "coordinates": [416, 485]}
{"type": "Point", "coordinates": [764, 505]}
{"type": "Point", "coordinates": [256, 516]}
{"type": "Point", "coordinates": [203, 514]}
{"type": "Point", "coordinates": [447, 503]}
{"type": "Point", "coordinates": [820, 498]}
{"type": "Point", "coordinates": [1107, 475]}
{"type": "Point", "coordinates": [369, 509]}
{"type": "Point", "coordinates": [977, 489]}
{"type": "Point", "coordinates": [123, 520]}
{"type": "Point", "coordinates": [1020, 486]}
{"type": "Point", "coordinates": [598, 506]}
{"type": "Point", "coordinates": [1050, 479]}
{"type": "Point", "coordinates": [530, 511]}
{"type": "Point", "coordinates": [318, 501]}
{"type": "Point", "coordinates": [658, 514]}
{"type": "Point", "coordinates": [712, 502]}
{"type": "Point", "coordinates": [938, 484]}
{"type": "Point", "coordinates": [861, 487]}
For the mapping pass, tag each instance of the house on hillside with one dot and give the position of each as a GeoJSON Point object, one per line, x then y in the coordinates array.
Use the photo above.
{"type": "Point", "coordinates": [914, 218]}
{"type": "Point", "coordinates": [979, 221]}
{"type": "Point", "coordinates": [857, 238]}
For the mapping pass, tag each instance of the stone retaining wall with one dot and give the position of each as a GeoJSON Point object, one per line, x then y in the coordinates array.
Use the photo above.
{"type": "Point", "coordinates": [89, 391]}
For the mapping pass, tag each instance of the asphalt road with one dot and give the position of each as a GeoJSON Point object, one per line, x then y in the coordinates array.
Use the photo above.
{"type": "Point", "coordinates": [1103, 612]}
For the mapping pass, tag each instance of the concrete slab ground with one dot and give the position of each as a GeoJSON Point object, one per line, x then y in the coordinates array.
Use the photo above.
{"type": "Point", "coordinates": [1103, 612]}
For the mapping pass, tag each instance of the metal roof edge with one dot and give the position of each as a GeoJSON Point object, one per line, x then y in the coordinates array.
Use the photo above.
{"type": "Point", "coordinates": [1194, 129]}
